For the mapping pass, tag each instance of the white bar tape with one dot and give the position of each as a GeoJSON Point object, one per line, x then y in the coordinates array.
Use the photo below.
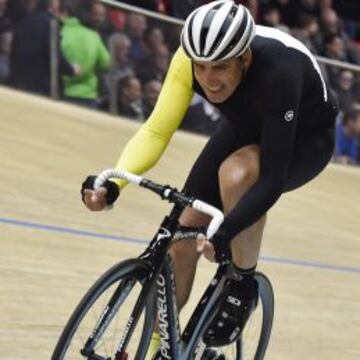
{"type": "Point", "coordinates": [216, 214]}
{"type": "Point", "coordinates": [116, 174]}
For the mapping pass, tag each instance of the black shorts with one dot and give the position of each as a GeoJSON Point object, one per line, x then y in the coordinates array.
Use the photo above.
{"type": "Point", "coordinates": [311, 155]}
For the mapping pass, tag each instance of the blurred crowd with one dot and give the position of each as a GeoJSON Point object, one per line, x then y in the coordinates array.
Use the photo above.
{"type": "Point", "coordinates": [113, 60]}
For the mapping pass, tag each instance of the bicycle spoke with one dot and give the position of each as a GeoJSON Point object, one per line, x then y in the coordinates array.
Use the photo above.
{"type": "Point", "coordinates": [107, 344]}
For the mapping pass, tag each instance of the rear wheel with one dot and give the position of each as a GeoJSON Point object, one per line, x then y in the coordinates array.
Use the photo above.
{"type": "Point", "coordinates": [115, 317]}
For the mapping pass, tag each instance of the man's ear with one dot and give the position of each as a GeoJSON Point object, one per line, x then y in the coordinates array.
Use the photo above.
{"type": "Point", "coordinates": [246, 57]}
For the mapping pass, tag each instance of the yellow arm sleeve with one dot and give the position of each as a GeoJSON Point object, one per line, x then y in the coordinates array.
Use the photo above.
{"type": "Point", "coordinates": [146, 147]}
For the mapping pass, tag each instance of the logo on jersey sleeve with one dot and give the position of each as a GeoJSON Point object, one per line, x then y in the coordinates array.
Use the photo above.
{"type": "Point", "coordinates": [289, 115]}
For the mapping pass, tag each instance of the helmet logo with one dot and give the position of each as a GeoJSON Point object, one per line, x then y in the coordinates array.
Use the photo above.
{"type": "Point", "coordinates": [289, 115]}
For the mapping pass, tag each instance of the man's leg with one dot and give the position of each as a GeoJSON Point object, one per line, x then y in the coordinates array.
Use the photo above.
{"type": "Point", "coordinates": [185, 256]}
{"type": "Point", "coordinates": [237, 174]}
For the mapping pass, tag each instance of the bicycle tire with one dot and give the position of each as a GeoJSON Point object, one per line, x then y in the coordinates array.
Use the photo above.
{"type": "Point", "coordinates": [266, 297]}
{"type": "Point", "coordinates": [124, 271]}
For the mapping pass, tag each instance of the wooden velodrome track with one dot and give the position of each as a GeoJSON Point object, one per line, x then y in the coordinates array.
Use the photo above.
{"type": "Point", "coordinates": [52, 248]}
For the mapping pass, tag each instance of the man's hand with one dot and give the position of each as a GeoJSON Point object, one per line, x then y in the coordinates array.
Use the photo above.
{"type": "Point", "coordinates": [77, 69]}
{"type": "Point", "coordinates": [204, 246]}
{"type": "Point", "coordinates": [95, 200]}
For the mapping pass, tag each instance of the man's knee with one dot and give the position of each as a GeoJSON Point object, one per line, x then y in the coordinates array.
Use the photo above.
{"type": "Point", "coordinates": [240, 170]}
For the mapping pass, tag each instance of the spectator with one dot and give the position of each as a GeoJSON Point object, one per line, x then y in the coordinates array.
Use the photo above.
{"type": "Point", "coordinates": [136, 25]}
{"type": "Point", "coordinates": [344, 91]}
{"type": "Point", "coordinates": [286, 10]}
{"type": "Point", "coordinates": [54, 8]}
{"type": "Point", "coordinates": [347, 133]}
{"type": "Point", "coordinates": [154, 66]}
{"type": "Point", "coordinates": [130, 98]}
{"type": "Point", "coordinates": [308, 33]}
{"type": "Point", "coordinates": [99, 20]}
{"type": "Point", "coordinates": [84, 47]}
{"type": "Point", "coordinates": [301, 7]}
{"type": "Point", "coordinates": [271, 16]}
{"type": "Point", "coordinates": [330, 22]}
{"type": "Point", "coordinates": [5, 49]}
{"type": "Point", "coordinates": [292, 10]}
{"type": "Point", "coordinates": [30, 50]}
{"type": "Point", "coordinates": [154, 39]}
{"type": "Point", "coordinates": [331, 25]}
{"type": "Point", "coordinates": [201, 117]}
{"type": "Point", "coordinates": [119, 45]}
{"type": "Point", "coordinates": [334, 49]}
{"type": "Point", "coordinates": [151, 93]}
{"type": "Point", "coordinates": [117, 18]}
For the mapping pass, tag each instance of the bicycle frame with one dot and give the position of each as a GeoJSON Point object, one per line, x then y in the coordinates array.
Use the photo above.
{"type": "Point", "coordinates": [157, 266]}
{"type": "Point", "coordinates": [158, 277]}
{"type": "Point", "coordinates": [173, 345]}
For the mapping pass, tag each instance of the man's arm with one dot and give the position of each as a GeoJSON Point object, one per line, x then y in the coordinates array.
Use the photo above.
{"type": "Point", "coordinates": [146, 147]}
{"type": "Point", "coordinates": [276, 147]}
{"type": "Point", "coordinates": [104, 57]}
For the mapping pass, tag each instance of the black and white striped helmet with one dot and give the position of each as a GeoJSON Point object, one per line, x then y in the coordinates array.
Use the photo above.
{"type": "Point", "coordinates": [217, 31]}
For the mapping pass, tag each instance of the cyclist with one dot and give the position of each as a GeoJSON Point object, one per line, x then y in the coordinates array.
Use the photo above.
{"type": "Point", "coordinates": [278, 135]}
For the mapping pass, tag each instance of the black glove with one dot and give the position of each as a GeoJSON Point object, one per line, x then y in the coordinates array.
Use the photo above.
{"type": "Point", "coordinates": [221, 247]}
{"type": "Point", "coordinates": [112, 189]}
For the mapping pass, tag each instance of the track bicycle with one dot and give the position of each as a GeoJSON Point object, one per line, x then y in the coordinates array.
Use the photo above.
{"type": "Point", "coordinates": [116, 317]}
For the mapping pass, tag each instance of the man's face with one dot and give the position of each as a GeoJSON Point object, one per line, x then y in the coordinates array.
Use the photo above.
{"type": "Point", "coordinates": [152, 91]}
{"type": "Point", "coordinates": [272, 17]}
{"type": "Point", "coordinates": [161, 58]}
{"type": "Point", "coordinates": [346, 80]}
{"type": "Point", "coordinates": [98, 14]}
{"type": "Point", "coordinates": [122, 49]}
{"type": "Point", "coordinates": [133, 91]}
{"type": "Point", "coordinates": [54, 7]}
{"type": "Point", "coordinates": [219, 79]}
{"type": "Point", "coordinates": [336, 47]}
{"type": "Point", "coordinates": [137, 25]}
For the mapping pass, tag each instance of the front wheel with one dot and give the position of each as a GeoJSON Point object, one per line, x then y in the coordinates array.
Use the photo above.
{"type": "Point", "coordinates": [114, 319]}
{"type": "Point", "coordinates": [255, 336]}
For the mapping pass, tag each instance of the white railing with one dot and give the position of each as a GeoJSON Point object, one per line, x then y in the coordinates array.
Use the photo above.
{"type": "Point", "coordinates": [145, 12]}
{"type": "Point", "coordinates": [169, 19]}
